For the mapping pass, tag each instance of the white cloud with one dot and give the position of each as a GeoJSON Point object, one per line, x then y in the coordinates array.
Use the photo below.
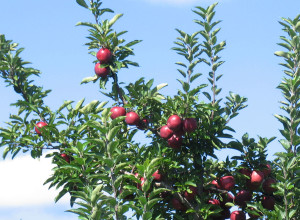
{"type": "Point", "coordinates": [22, 181]}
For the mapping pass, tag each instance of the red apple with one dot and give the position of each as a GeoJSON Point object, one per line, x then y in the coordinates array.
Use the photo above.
{"type": "Point", "coordinates": [175, 141]}
{"type": "Point", "coordinates": [190, 196]}
{"type": "Point", "coordinates": [214, 202]}
{"type": "Point", "coordinates": [237, 215]}
{"type": "Point", "coordinates": [251, 186]}
{"type": "Point", "coordinates": [166, 132]}
{"type": "Point", "coordinates": [174, 122]}
{"type": "Point", "coordinates": [245, 171]}
{"type": "Point", "coordinates": [242, 197]}
{"type": "Point", "coordinates": [143, 124]}
{"type": "Point", "coordinates": [267, 186]}
{"type": "Point", "coordinates": [39, 125]}
{"type": "Point", "coordinates": [132, 118]}
{"type": "Point", "coordinates": [177, 204]}
{"type": "Point", "coordinates": [268, 202]}
{"type": "Point", "coordinates": [256, 177]}
{"type": "Point", "coordinates": [104, 55]}
{"type": "Point", "coordinates": [216, 184]}
{"type": "Point", "coordinates": [66, 157]}
{"type": "Point", "coordinates": [266, 169]}
{"type": "Point", "coordinates": [157, 176]}
{"type": "Point", "coordinates": [117, 112]}
{"type": "Point", "coordinates": [227, 182]}
{"type": "Point", "coordinates": [102, 72]}
{"type": "Point", "coordinates": [189, 125]}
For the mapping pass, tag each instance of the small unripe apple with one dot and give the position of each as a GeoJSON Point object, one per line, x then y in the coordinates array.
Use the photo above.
{"type": "Point", "coordinates": [104, 55]}
{"type": "Point", "coordinates": [175, 141]}
{"type": "Point", "coordinates": [227, 182]}
{"type": "Point", "coordinates": [242, 197]}
{"type": "Point", "coordinates": [174, 122]}
{"type": "Point", "coordinates": [256, 177]}
{"type": "Point", "coordinates": [190, 196]}
{"type": "Point", "coordinates": [117, 111]}
{"type": "Point", "coordinates": [39, 125]}
{"type": "Point", "coordinates": [268, 202]}
{"type": "Point", "coordinates": [237, 215]}
{"type": "Point", "coordinates": [267, 186]}
{"type": "Point", "coordinates": [132, 118]}
{"type": "Point", "coordinates": [66, 157]}
{"type": "Point", "coordinates": [166, 132]}
{"type": "Point", "coordinates": [189, 125]}
{"type": "Point", "coordinates": [177, 204]}
{"type": "Point", "coordinates": [157, 176]}
{"type": "Point", "coordinates": [102, 72]}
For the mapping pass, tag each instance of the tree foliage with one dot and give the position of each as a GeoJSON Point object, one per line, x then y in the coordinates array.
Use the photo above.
{"type": "Point", "coordinates": [99, 162]}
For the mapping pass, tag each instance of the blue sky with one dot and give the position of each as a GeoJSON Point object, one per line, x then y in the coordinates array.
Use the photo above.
{"type": "Point", "coordinates": [55, 46]}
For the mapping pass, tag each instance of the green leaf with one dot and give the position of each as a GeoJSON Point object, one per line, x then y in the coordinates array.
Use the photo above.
{"type": "Point", "coordinates": [114, 19]}
{"type": "Point", "coordinates": [66, 103]}
{"type": "Point", "coordinates": [113, 132]}
{"type": "Point", "coordinates": [82, 3]}
{"type": "Point", "coordinates": [89, 79]}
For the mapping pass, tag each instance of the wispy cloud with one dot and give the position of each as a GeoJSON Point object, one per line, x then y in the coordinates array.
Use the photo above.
{"type": "Point", "coordinates": [22, 182]}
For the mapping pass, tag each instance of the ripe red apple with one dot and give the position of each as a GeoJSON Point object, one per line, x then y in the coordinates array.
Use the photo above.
{"type": "Point", "coordinates": [245, 171]}
{"type": "Point", "coordinates": [39, 125]}
{"type": "Point", "coordinates": [117, 111]}
{"type": "Point", "coordinates": [242, 197]}
{"type": "Point", "coordinates": [267, 185]}
{"type": "Point", "coordinates": [157, 176]}
{"type": "Point", "coordinates": [189, 125]}
{"type": "Point", "coordinates": [256, 177]}
{"type": "Point", "coordinates": [104, 55]}
{"type": "Point", "coordinates": [237, 215]}
{"type": "Point", "coordinates": [174, 122]}
{"type": "Point", "coordinates": [251, 186]}
{"type": "Point", "coordinates": [216, 184]}
{"type": "Point", "coordinates": [166, 132]}
{"type": "Point", "coordinates": [177, 204]}
{"type": "Point", "coordinates": [66, 157]}
{"type": "Point", "coordinates": [268, 202]}
{"type": "Point", "coordinates": [227, 182]}
{"type": "Point", "coordinates": [102, 72]}
{"type": "Point", "coordinates": [266, 169]}
{"type": "Point", "coordinates": [190, 196]}
{"type": "Point", "coordinates": [175, 141]}
{"type": "Point", "coordinates": [214, 202]}
{"type": "Point", "coordinates": [132, 118]}
{"type": "Point", "coordinates": [143, 124]}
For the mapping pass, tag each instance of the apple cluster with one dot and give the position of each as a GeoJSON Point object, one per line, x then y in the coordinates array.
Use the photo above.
{"type": "Point", "coordinates": [175, 129]}
{"type": "Point", "coordinates": [255, 180]}
{"type": "Point", "coordinates": [132, 118]}
{"type": "Point", "coordinates": [104, 56]}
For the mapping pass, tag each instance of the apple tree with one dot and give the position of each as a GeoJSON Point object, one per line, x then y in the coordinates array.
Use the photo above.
{"type": "Point", "coordinates": [177, 174]}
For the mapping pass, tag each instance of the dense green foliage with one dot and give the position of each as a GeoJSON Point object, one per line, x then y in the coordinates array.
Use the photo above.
{"type": "Point", "coordinates": [108, 173]}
